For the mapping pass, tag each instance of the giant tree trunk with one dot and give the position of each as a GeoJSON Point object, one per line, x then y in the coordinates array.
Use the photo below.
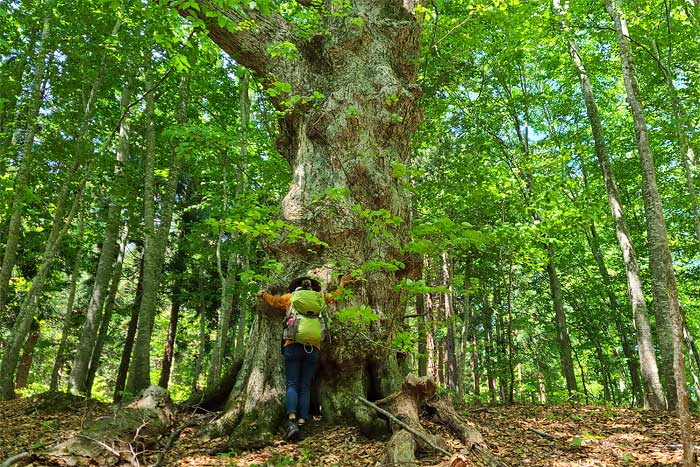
{"type": "Point", "coordinates": [348, 143]}
{"type": "Point", "coordinates": [653, 391]}
{"type": "Point", "coordinates": [666, 303]}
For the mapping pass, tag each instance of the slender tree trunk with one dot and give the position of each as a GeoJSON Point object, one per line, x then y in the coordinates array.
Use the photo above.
{"type": "Point", "coordinates": [13, 230]}
{"type": "Point", "coordinates": [541, 384]}
{"type": "Point", "coordinates": [653, 391]}
{"type": "Point", "coordinates": [614, 313]}
{"type": "Point", "coordinates": [25, 363]}
{"type": "Point", "coordinates": [422, 336]}
{"type": "Point", "coordinates": [522, 133]}
{"type": "Point", "coordinates": [68, 318]}
{"type": "Point", "coordinates": [88, 335]}
{"type": "Point", "coordinates": [125, 362]}
{"type": "Point", "coordinates": [432, 344]}
{"type": "Point", "coordinates": [228, 281]}
{"type": "Point", "coordinates": [509, 307]}
{"type": "Point", "coordinates": [567, 364]}
{"type": "Point", "coordinates": [475, 353]}
{"type": "Point", "coordinates": [604, 372]}
{"type": "Point", "coordinates": [464, 331]}
{"type": "Point", "coordinates": [243, 258]}
{"type": "Point", "coordinates": [107, 315]}
{"type": "Point", "coordinates": [199, 358]}
{"type": "Point", "coordinates": [20, 329]}
{"type": "Point", "coordinates": [680, 120]}
{"type": "Point", "coordinates": [178, 267]}
{"type": "Point", "coordinates": [691, 343]}
{"type": "Point", "coordinates": [166, 369]}
{"type": "Point", "coordinates": [155, 241]}
{"type": "Point", "coordinates": [583, 379]}
{"type": "Point", "coordinates": [489, 350]}
{"type": "Point", "coordinates": [666, 303]}
{"type": "Point", "coordinates": [453, 379]}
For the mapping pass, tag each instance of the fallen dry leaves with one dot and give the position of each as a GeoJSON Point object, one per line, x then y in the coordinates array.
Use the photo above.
{"type": "Point", "coordinates": [523, 435]}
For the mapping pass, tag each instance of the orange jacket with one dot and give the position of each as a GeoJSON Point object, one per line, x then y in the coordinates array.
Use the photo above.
{"type": "Point", "coordinates": [283, 302]}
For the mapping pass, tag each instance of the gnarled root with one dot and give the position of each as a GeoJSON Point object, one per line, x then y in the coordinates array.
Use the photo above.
{"type": "Point", "coordinates": [476, 451]}
{"type": "Point", "coordinates": [130, 432]}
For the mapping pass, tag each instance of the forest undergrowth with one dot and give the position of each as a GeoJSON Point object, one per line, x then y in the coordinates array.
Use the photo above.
{"type": "Point", "coordinates": [522, 435]}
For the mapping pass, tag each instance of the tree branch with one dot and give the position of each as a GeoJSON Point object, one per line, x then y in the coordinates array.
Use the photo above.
{"type": "Point", "coordinates": [245, 35]}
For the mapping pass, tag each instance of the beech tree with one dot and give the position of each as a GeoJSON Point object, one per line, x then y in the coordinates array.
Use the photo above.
{"type": "Point", "coordinates": [347, 95]}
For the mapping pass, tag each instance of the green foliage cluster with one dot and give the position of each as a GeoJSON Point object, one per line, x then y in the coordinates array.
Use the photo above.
{"type": "Point", "coordinates": [502, 167]}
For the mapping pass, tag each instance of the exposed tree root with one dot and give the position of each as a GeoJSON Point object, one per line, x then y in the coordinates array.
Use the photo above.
{"type": "Point", "coordinates": [403, 410]}
{"type": "Point", "coordinates": [123, 437]}
{"type": "Point", "coordinates": [14, 459]}
{"type": "Point", "coordinates": [476, 451]}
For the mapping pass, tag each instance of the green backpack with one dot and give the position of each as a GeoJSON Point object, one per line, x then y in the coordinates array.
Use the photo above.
{"type": "Point", "coordinates": [304, 323]}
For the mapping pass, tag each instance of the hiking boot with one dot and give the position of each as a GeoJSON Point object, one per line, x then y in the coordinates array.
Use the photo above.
{"type": "Point", "coordinates": [291, 431]}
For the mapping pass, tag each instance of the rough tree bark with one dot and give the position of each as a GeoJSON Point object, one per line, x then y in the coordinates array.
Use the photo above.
{"type": "Point", "coordinates": [664, 290]}
{"type": "Point", "coordinates": [364, 66]}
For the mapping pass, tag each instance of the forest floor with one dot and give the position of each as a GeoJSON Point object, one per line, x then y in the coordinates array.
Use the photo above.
{"type": "Point", "coordinates": [523, 435]}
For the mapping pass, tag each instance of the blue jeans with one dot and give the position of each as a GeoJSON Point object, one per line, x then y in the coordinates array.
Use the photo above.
{"type": "Point", "coordinates": [299, 367]}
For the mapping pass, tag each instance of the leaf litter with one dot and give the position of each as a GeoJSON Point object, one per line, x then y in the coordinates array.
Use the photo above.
{"type": "Point", "coordinates": [522, 435]}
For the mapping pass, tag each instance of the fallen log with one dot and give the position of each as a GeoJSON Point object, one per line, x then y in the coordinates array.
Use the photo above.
{"type": "Point", "coordinates": [124, 437]}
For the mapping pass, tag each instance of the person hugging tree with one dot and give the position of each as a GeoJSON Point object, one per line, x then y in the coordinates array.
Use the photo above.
{"type": "Point", "coordinates": [304, 329]}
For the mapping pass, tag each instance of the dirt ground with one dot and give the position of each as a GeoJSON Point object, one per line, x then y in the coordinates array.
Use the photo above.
{"type": "Point", "coordinates": [522, 435]}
